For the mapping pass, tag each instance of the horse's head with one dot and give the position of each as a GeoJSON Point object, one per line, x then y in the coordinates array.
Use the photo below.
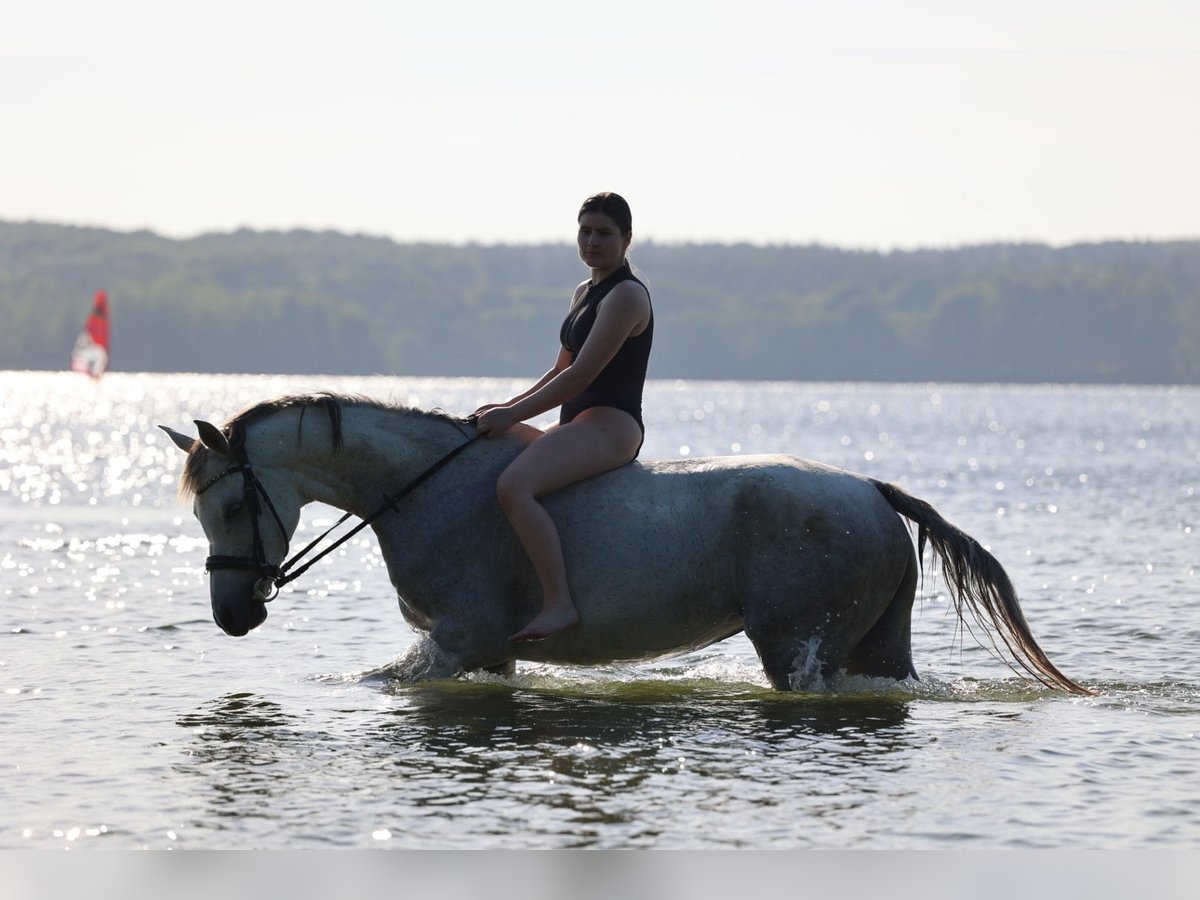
{"type": "Point", "coordinates": [249, 509]}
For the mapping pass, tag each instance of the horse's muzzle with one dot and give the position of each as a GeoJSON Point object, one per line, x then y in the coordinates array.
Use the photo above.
{"type": "Point", "coordinates": [236, 621]}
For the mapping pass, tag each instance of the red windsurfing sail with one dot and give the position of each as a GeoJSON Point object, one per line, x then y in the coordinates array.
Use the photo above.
{"type": "Point", "coordinates": [90, 354]}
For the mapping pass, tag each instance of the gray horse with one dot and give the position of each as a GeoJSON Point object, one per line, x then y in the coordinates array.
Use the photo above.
{"type": "Point", "coordinates": [812, 562]}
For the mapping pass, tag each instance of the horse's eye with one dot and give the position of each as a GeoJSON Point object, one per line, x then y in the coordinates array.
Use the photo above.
{"type": "Point", "coordinates": [231, 510]}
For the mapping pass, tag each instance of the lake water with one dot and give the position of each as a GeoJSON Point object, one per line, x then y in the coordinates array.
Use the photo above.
{"type": "Point", "coordinates": [130, 720]}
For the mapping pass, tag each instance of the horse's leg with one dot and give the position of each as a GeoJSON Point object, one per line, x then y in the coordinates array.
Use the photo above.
{"type": "Point", "coordinates": [801, 641]}
{"type": "Point", "coordinates": [423, 661]}
{"type": "Point", "coordinates": [481, 646]}
{"type": "Point", "coordinates": [805, 620]}
{"type": "Point", "coordinates": [886, 650]}
{"type": "Point", "coordinates": [794, 656]}
{"type": "Point", "coordinates": [505, 669]}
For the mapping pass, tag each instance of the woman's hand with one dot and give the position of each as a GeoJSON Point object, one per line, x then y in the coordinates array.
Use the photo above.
{"type": "Point", "coordinates": [479, 412]}
{"type": "Point", "coordinates": [496, 420]}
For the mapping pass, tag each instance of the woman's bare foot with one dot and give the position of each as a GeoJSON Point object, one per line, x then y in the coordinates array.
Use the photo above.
{"type": "Point", "coordinates": [547, 623]}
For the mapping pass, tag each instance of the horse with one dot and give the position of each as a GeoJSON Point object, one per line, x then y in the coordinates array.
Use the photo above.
{"type": "Point", "coordinates": [815, 564]}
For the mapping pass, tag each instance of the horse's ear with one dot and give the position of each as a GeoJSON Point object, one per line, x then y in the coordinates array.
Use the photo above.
{"type": "Point", "coordinates": [182, 441]}
{"type": "Point", "coordinates": [212, 438]}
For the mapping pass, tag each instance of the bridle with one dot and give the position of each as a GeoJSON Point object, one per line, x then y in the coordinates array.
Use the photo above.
{"type": "Point", "coordinates": [252, 490]}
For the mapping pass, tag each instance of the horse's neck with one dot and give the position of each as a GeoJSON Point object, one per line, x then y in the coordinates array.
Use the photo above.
{"type": "Point", "coordinates": [382, 450]}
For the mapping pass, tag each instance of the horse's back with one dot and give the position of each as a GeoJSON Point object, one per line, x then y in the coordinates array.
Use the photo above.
{"type": "Point", "coordinates": [692, 499]}
{"type": "Point", "coordinates": [768, 479]}
{"type": "Point", "coordinates": [779, 500]}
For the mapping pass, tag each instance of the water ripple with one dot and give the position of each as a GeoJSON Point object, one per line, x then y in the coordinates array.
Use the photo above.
{"type": "Point", "coordinates": [138, 724]}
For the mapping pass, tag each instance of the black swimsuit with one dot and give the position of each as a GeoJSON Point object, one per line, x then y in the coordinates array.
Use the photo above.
{"type": "Point", "coordinates": [620, 383]}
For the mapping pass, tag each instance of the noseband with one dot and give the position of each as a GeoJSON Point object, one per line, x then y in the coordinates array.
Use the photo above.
{"type": "Point", "coordinates": [252, 489]}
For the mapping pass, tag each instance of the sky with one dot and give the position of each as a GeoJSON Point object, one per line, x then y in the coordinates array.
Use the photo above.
{"type": "Point", "coordinates": [875, 125]}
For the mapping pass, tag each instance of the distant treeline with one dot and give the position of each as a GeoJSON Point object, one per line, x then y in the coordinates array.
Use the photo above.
{"type": "Point", "coordinates": [327, 303]}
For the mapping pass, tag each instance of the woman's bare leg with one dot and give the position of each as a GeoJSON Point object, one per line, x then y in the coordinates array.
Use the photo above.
{"type": "Point", "coordinates": [598, 440]}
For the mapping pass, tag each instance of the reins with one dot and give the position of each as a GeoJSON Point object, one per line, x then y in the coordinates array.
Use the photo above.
{"type": "Point", "coordinates": [389, 503]}
{"type": "Point", "coordinates": [252, 489]}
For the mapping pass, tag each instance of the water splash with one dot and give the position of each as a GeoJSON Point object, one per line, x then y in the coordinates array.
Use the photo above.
{"type": "Point", "coordinates": [806, 669]}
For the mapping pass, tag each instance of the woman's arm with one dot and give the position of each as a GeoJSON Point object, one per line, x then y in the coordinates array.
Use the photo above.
{"type": "Point", "coordinates": [624, 311]}
{"type": "Point", "coordinates": [561, 362]}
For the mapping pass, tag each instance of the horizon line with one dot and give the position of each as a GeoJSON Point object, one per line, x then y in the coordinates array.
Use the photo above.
{"type": "Point", "coordinates": [671, 242]}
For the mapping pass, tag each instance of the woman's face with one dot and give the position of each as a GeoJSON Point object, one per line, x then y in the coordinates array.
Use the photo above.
{"type": "Point", "coordinates": [601, 244]}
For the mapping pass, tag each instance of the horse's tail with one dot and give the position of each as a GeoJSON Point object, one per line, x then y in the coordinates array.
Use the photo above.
{"type": "Point", "coordinates": [977, 581]}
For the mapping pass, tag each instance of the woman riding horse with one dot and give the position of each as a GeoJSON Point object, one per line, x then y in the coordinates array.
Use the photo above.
{"type": "Point", "coordinates": [597, 379]}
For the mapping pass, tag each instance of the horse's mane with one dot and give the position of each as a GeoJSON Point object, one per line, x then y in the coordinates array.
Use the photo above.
{"type": "Point", "coordinates": [333, 405]}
